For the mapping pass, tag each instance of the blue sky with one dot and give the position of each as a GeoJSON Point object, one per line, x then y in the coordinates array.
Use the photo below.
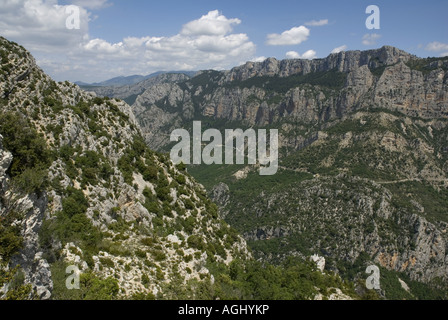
{"type": "Point", "coordinates": [118, 37]}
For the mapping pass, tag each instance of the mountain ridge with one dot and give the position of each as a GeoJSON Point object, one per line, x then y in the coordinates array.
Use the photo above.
{"type": "Point", "coordinates": [311, 90]}
{"type": "Point", "coordinates": [129, 80]}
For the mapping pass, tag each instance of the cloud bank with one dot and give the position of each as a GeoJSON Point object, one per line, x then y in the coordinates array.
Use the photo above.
{"type": "Point", "coordinates": [40, 26]}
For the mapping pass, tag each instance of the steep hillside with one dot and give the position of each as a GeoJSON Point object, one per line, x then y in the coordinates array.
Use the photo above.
{"type": "Point", "coordinates": [363, 162]}
{"type": "Point", "coordinates": [87, 191]}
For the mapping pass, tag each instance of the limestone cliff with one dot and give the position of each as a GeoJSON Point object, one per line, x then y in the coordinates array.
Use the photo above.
{"type": "Point", "coordinates": [299, 91]}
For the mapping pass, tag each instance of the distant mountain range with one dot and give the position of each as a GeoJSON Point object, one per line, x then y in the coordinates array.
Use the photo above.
{"type": "Point", "coordinates": [129, 80]}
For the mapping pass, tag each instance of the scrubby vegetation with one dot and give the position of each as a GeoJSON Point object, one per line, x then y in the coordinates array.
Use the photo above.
{"type": "Point", "coordinates": [31, 157]}
{"type": "Point", "coordinates": [280, 85]}
{"type": "Point", "coordinates": [241, 280]}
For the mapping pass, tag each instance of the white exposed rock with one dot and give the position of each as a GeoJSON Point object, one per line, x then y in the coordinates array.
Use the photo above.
{"type": "Point", "coordinates": [242, 174]}
{"type": "Point", "coordinates": [404, 285]}
{"type": "Point", "coordinates": [173, 238]}
{"type": "Point", "coordinates": [336, 294]}
{"type": "Point", "coordinates": [320, 261]}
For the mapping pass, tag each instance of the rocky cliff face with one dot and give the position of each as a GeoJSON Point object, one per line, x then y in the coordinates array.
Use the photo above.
{"type": "Point", "coordinates": [362, 164]}
{"type": "Point", "coordinates": [89, 193]}
{"type": "Point", "coordinates": [342, 62]}
{"type": "Point", "coordinates": [301, 91]}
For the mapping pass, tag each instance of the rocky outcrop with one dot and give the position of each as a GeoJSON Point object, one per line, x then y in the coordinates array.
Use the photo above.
{"type": "Point", "coordinates": [5, 162]}
{"type": "Point", "coordinates": [345, 61]}
{"type": "Point", "coordinates": [320, 261]}
{"type": "Point", "coordinates": [221, 195]}
{"type": "Point", "coordinates": [322, 221]}
{"type": "Point", "coordinates": [30, 257]}
{"type": "Point", "coordinates": [411, 92]}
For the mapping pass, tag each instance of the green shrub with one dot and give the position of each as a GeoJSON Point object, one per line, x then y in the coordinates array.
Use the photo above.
{"type": "Point", "coordinates": [188, 224]}
{"type": "Point", "coordinates": [158, 255]}
{"type": "Point", "coordinates": [140, 254]}
{"type": "Point", "coordinates": [29, 150]}
{"type": "Point", "coordinates": [189, 204]}
{"type": "Point", "coordinates": [72, 225]}
{"type": "Point", "coordinates": [11, 240]}
{"type": "Point", "coordinates": [145, 280]}
{"type": "Point", "coordinates": [94, 288]}
{"type": "Point", "coordinates": [195, 241]}
{"type": "Point", "coordinates": [75, 203]}
{"type": "Point", "coordinates": [150, 173]}
{"type": "Point", "coordinates": [163, 193]}
{"type": "Point", "coordinates": [147, 241]}
{"type": "Point", "coordinates": [107, 262]}
{"type": "Point", "coordinates": [181, 179]}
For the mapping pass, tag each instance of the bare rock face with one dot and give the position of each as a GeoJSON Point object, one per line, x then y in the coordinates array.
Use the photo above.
{"type": "Point", "coordinates": [5, 162]}
{"type": "Point", "coordinates": [343, 62]}
{"type": "Point", "coordinates": [320, 261]}
{"type": "Point", "coordinates": [409, 91]}
{"type": "Point", "coordinates": [30, 258]}
{"type": "Point", "coordinates": [220, 194]}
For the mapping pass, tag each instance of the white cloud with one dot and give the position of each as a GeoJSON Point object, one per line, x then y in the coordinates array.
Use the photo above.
{"type": "Point", "coordinates": [102, 46]}
{"type": "Point", "coordinates": [438, 47]}
{"type": "Point", "coordinates": [40, 26]}
{"type": "Point", "coordinates": [293, 36]}
{"type": "Point", "coordinates": [292, 55]}
{"type": "Point", "coordinates": [308, 55]}
{"type": "Point", "coordinates": [212, 23]}
{"type": "Point", "coordinates": [317, 23]}
{"type": "Point", "coordinates": [370, 39]}
{"type": "Point", "coordinates": [92, 4]}
{"type": "Point", "coordinates": [339, 49]}
{"type": "Point", "coordinates": [258, 59]}
{"type": "Point", "coordinates": [179, 52]}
